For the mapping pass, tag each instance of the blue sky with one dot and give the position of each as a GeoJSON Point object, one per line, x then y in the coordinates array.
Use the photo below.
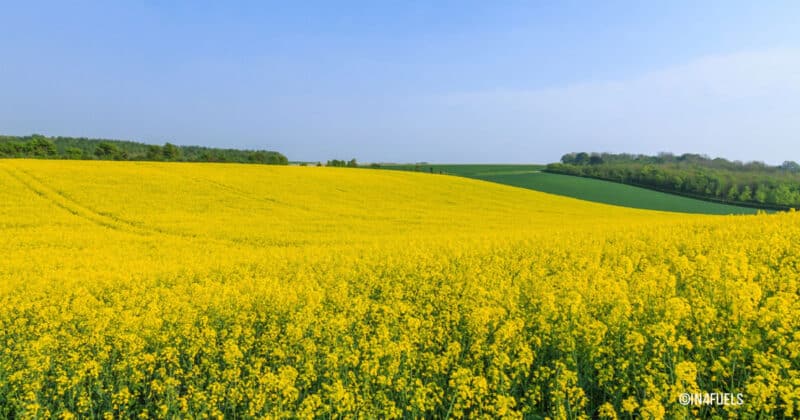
{"type": "Point", "coordinates": [410, 81]}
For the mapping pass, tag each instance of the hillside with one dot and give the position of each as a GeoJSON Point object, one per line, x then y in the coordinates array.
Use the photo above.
{"type": "Point", "coordinates": [158, 289]}
{"type": "Point", "coordinates": [533, 177]}
{"type": "Point", "coordinates": [256, 201]}
{"type": "Point", "coordinates": [752, 184]}
{"type": "Point", "coordinates": [608, 192]}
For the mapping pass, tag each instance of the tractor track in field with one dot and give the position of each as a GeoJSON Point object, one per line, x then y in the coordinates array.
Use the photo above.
{"type": "Point", "coordinates": [115, 223]}
{"type": "Point", "coordinates": [63, 203]}
{"type": "Point", "coordinates": [80, 210]}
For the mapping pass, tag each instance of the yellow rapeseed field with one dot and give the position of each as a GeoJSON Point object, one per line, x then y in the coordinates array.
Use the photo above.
{"type": "Point", "coordinates": [168, 290]}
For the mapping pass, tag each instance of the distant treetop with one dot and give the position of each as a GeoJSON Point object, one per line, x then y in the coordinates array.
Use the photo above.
{"type": "Point", "coordinates": [754, 184]}
{"type": "Point", "coordinates": [39, 146]}
{"type": "Point", "coordinates": [584, 158]}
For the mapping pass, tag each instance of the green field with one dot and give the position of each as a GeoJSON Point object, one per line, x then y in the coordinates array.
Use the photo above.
{"type": "Point", "coordinates": [531, 177]}
{"type": "Point", "coordinates": [469, 171]}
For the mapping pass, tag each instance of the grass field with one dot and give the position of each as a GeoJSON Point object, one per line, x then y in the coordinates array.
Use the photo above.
{"type": "Point", "coordinates": [612, 193]}
{"type": "Point", "coordinates": [469, 171]}
{"type": "Point", "coordinates": [531, 177]}
{"type": "Point", "coordinates": [188, 290]}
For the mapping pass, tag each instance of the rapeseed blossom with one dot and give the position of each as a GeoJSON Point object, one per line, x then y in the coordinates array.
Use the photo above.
{"type": "Point", "coordinates": [141, 290]}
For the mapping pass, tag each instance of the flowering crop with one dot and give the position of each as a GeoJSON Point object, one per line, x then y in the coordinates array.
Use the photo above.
{"type": "Point", "coordinates": [139, 290]}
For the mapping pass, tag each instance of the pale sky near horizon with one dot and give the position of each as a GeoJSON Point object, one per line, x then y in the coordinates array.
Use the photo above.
{"type": "Point", "coordinates": [480, 82]}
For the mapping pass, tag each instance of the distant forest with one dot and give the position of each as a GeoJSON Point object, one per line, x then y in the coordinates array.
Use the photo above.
{"type": "Point", "coordinates": [38, 146]}
{"type": "Point", "coordinates": [753, 184]}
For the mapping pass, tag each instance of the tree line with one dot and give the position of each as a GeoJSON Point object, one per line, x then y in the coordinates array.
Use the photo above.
{"type": "Point", "coordinates": [352, 163]}
{"type": "Point", "coordinates": [754, 184]}
{"type": "Point", "coordinates": [39, 146]}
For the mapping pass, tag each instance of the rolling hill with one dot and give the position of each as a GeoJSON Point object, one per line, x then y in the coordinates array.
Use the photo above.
{"type": "Point", "coordinates": [187, 290]}
{"type": "Point", "coordinates": [532, 177]}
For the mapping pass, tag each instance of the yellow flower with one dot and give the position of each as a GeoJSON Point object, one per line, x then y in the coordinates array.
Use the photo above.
{"type": "Point", "coordinates": [140, 290]}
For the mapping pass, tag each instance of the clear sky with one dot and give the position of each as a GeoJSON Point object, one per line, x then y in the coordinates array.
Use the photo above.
{"type": "Point", "coordinates": [404, 81]}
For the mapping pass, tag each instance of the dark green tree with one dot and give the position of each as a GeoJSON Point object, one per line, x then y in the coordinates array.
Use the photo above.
{"type": "Point", "coordinates": [258, 157]}
{"type": "Point", "coordinates": [154, 152]}
{"type": "Point", "coordinates": [41, 147]}
{"type": "Point", "coordinates": [106, 150]}
{"type": "Point", "coordinates": [170, 151]}
{"type": "Point", "coordinates": [582, 158]}
{"type": "Point", "coordinates": [73, 153]}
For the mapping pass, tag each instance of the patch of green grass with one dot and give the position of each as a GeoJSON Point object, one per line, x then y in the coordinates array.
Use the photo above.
{"type": "Point", "coordinates": [469, 171]}
{"type": "Point", "coordinates": [531, 177]}
{"type": "Point", "coordinates": [613, 193]}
